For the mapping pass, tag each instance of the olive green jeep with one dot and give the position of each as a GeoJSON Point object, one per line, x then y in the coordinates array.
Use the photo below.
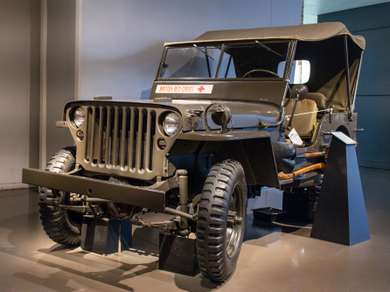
{"type": "Point", "coordinates": [229, 113]}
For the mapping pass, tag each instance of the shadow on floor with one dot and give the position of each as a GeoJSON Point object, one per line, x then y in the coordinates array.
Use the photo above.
{"type": "Point", "coordinates": [74, 259]}
{"type": "Point", "coordinates": [27, 255]}
{"type": "Point", "coordinates": [112, 270]}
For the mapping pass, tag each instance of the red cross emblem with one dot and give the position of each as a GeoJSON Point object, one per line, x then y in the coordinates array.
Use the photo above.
{"type": "Point", "coordinates": [201, 88]}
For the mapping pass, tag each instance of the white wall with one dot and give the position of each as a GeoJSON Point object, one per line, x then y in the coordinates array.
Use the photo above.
{"type": "Point", "coordinates": [19, 87]}
{"type": "Point", "coordinates": [60, 68]}
{"type": "Point", "coordinates": [121, 40]}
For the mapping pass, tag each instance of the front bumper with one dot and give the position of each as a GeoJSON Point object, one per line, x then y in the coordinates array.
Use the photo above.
{"type": "Point", "coordinates": [132, 195]}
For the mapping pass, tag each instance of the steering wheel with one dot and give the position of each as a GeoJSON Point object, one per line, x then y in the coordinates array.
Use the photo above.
{"type": "Point", "coordinates": [250, 72]}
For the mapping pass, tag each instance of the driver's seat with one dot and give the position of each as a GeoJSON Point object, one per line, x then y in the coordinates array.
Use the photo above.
{"type": "Point", "coordinates": [305, 117]}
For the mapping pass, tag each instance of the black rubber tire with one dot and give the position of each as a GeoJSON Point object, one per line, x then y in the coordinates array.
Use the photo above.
{"type": "Point", "coordinates": [224, 180]}
{"type": "Point", "coordinates": [56, 221]}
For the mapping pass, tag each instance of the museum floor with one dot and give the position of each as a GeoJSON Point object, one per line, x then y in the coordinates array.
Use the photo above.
{"type": "Point", "coordinates": [270, 260]}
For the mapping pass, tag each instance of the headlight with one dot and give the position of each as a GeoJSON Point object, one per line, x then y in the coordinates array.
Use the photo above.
{"type": "Point", "coordinates": [79, 117]}
{"type": "Point", "coordinates": [171, 124]}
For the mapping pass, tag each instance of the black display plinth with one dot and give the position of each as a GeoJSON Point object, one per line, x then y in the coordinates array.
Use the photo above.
{"type": "Point", "coordinates": [105, 236]}
{"type": "Point", "coordinates": [299, 206]}
{"type": "Point", "coordinates": [178, 255]}
{"type": "Point", "coordinates": [145, 240]}
{"type": "Point", "coordinates": [341, 212]}
{"type": "Point", "coordinates": [266, 216]}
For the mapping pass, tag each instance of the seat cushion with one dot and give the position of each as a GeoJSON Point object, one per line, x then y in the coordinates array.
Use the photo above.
{"type": "Point", "coordinates": [318, 97]}
{"type": "Point", "coordinates": [305, 117]}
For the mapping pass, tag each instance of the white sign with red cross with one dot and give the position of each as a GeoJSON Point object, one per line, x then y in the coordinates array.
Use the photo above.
{"type": "Point", "coordinates": [184, 89]}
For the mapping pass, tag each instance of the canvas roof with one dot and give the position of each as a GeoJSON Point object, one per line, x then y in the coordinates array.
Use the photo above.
{"type": "Point", "coordinates": [306, 32]}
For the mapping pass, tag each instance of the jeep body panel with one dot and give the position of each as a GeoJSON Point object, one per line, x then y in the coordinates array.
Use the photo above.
{"type": "Point", "coordinates": [240, 142]}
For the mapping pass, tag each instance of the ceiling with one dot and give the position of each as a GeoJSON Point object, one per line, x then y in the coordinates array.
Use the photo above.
{"type": "Point", "coordinates": [312, 8]}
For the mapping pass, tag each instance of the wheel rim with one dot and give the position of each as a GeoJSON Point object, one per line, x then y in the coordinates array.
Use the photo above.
{"type": "Point", "coordinates": [234, 222]}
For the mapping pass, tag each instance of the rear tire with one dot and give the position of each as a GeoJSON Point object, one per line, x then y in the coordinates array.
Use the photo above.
{"type": "Point", "coordinates": [60, 225]}
{"type": "Point", "coordinates": [221, 220]}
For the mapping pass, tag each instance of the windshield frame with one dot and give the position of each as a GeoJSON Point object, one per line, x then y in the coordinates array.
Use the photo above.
{"type": "Point", "coordinates": [291, 47]}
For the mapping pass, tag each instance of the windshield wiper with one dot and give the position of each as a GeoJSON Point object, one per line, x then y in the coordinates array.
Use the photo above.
{"type": "Point", "coordinates": [204, 52]}
{"type": "Point", "coordinates": [268, 49]}
{"type": "Point", "coordinates": [207, 58]}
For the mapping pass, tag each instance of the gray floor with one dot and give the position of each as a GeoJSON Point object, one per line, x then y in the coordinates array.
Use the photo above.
{"type": "Point", "coordinates": [271, 261]}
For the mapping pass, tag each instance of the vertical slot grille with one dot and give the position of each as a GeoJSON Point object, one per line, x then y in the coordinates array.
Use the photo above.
{"type": "Point", "coordinates": [120, 137]}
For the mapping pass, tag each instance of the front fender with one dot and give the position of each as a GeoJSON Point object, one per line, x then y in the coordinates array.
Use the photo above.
{"type": "Point", "coordinates": [253, 149]}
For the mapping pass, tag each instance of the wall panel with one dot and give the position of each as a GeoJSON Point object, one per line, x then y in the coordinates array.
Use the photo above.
{"type": "Point", "coordinates": [19, 88]}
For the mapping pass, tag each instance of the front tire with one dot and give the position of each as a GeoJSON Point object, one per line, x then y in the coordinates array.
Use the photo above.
{"type": "Point", "coordinates": [221, 220]}
{"type": "Point", "coordinates": [60, 225]}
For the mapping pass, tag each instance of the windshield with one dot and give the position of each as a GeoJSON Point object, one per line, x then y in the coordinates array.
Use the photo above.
{"type": "Point", "coordinates": [224, 61]}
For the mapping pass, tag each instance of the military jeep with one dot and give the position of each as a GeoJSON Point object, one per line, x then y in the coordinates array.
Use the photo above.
{"type": "Point", "coordinates": [229, 112]}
